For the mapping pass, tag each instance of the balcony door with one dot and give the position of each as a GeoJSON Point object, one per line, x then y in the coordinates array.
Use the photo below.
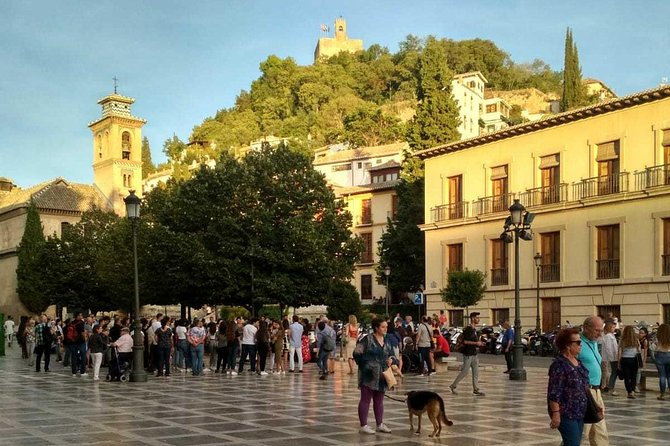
{"type": "Point", "coordinates": [608, 168]}
{"type": "Point", "coordinates": [551, 179]}
{"type": "Point", "coordinates": [551, 313]}
{"type": "Point", "coordinates": [499, 262]}
{"type": "Point", "coordinates": [607, 262]}
{"type": "Point", "coordinates": [456, 197]}
{"type": "Point", "coordinates": [550, 250]}
{"type": "Point", "coordinates": [499, 189]}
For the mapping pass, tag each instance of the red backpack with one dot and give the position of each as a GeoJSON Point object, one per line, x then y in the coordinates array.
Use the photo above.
{"type": "Point", "coordinates": [71, 334]}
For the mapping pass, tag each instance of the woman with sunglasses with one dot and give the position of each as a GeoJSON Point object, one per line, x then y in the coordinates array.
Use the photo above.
{"type": "Point", "coordinates": [568, 384]}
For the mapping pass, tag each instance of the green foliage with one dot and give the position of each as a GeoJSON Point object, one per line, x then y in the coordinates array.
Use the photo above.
{"type": "Point", "coordinates": [343, 301]}
{"type": "Point", "coordinates": [368, 126]}
{"type": "Point", "coordinates": [574, 93]}
{"type": "Point", "coordinates": [31, 287]}
{"type": "Point", "coordinates": [273, 312]}
{"type": "Point", "coordinates": [173, 148]}
{"type": "Point", "coordinates": [464, 288]}
{"type": "Point", "coordinates": [148, 166]}
{"type": "Point", "coordinates": [228, 313]}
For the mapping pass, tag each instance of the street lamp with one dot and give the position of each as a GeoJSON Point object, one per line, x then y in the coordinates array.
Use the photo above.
{"type": "Point", "coordinates": [387, 273]}
{"type": "Point", "coordinates": [133, 204]}
{"type": "Point", "coordinates": [517, 226]}
{"type": "Point", "coordinates": [538, 262]}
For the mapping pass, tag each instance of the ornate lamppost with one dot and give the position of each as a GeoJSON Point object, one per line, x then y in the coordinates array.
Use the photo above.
{"type": "Point", "coordinates": [517, 226]}
{"type": "Point", "coordinates": [133, 204]}
{"type": "Point", "coordinates": [538, 265]}
{"type": "Point", "coordinates": [387, 273]}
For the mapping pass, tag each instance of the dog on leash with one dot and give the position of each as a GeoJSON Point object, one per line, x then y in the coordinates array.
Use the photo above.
{"type": "Point", "coordinates": [419, 402]}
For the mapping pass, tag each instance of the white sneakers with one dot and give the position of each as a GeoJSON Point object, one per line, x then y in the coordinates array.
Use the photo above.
{"type": "Point", "coordinates": [233, 372]}
{"type": "Point", "coordinates": [367, 430]}
{"type": "Point", "coordinates": [263, 373]}
{"type": "Point", "coordinates": [381, 428]}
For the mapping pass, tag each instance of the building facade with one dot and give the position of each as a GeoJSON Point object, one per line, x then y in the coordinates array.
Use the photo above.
{"type": "Point", "coordinates": [331, 46]}
{"type": "Point", "coordinates": [598, 181]}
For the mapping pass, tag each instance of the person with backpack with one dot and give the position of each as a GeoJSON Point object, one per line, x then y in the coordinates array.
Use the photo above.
{"type": "Point", "coordinates": [471, 344]}
{"type": "Point", "coordinates": [325, 344]}
{"type": "Point", "coordinates": [76, 338]}
{"type": "Point", "coordinates": [43, 340]}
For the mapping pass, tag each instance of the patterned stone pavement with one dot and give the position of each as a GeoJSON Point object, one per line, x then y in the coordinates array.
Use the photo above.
{"type": "Point", "coordinates": [286, 410]}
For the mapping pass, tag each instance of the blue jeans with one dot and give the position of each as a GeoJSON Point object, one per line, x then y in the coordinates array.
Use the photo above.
{"type": "Point", "coordinates": [232, 355]}
{"type": "Point", "coordinates": [323, 361]}
{"type": "Point", "coordinates": [78, 357]}
{"type": "Point", "coordinates": [571, 431]}
{"type": "Point", "coordinates": [181, 354]}
{"type": "Point", "coordinates": [663, 366]}
{"type": "Point", "coordinates": [197, 358]}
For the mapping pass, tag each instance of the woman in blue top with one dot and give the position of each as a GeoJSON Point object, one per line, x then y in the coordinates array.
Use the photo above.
{"type": "Point", "coordinates": [568, 384]}
{"type": "Point", "coordinates": [373, 355]}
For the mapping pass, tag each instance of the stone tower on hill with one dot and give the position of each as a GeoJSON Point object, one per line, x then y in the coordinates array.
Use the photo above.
{"type": "Point", "coordinates": [330, 46]}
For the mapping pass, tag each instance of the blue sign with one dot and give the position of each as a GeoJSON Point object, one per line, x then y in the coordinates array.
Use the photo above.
{"type": "Point", "coordinates": [418, 298]}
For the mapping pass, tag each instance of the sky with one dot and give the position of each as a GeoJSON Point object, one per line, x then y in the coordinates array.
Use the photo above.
{"type": "Point", "coordinates": [182, 61]}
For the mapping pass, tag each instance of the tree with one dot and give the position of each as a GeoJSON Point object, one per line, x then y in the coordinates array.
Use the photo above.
{"type": "Point", "coordinates": [148, 166]}
{"type": "Point", "coordinates": [30, 286]}
{"type": "Point", "coordinates": [174, 148]}
{"type": "Point", "coordinates": [368, 126]}
{"type": "Point", "coordinates": [464, 288]}
{"type": "Point", "coordinates": [343, 301]}
{"type": "Point", "coordinates": [573, 90]}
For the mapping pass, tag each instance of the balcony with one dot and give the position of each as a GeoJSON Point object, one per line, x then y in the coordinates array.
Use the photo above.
{"type": "Point", "coordinates": [550, 272]}
{"type": "Point", "coordinates": [495, 203]}
{"type": "Point", "coordinates": [451, 211]}
{"type": "Point", "coordinates": [599, 186]}
{"type": "Point", "coordinates": [366, 258]}
{"type": "Point", "coordinates": [665, 264]}
{"type": "Point", "coordinates": [545, 195]}
{"type": "Point", "coordinates": [653, 177]}
{"type": "Point", "coordinates": [607, 269]}
{"type": "Point", "coordinates": [499, 276]}
{"type": "Point", "coordinates": [364, 220]}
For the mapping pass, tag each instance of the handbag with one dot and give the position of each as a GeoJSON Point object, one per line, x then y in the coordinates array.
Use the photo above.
{"type": "Point", "coordinates": [619, 373]}
{"type": "Point", "coordinates": [389, 378]}
{"type": "Point", "coordinates": [592, 414]}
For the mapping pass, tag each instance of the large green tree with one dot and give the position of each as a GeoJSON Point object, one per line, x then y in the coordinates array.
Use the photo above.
{"type": "Point", "coordinates": [148, 166]}
{"type": "Point", "coordinates": [573, 90]}
{"type": "Point", "coordinates": [30, 286]}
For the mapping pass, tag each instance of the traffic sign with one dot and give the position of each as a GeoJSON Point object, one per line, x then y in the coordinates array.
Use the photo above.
{"type": "Point", "coordinates": [418, 298]}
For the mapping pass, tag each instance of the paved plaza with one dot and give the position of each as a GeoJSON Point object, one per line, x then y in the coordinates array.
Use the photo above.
{"type": "Point", "coordinates": [292, 409]}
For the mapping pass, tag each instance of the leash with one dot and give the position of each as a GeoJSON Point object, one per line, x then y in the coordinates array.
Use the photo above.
{"type": "Point", "coordinates": [395, 399]}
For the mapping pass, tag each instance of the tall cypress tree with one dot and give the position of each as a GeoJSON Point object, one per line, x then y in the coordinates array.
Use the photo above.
{"type": "Point", "coordinates": [29, 270]}
{"type": "Point", "coordinates": [573, 91]}
{"type": "Point", "coordinates": [148, 166]}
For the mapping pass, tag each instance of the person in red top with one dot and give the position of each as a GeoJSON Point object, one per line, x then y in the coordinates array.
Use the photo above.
{"type": "Point", "coordinates": [441, 349]}
{"type": "Point", "coordinates": [443, 318]}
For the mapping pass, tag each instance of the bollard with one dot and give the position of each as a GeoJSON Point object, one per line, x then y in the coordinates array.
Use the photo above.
{"type": "Point", "coordinates": [2, 334]}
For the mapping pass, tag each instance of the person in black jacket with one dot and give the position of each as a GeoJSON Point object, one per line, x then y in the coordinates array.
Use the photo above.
{"type": "Point", "coordinates": [97, 345]}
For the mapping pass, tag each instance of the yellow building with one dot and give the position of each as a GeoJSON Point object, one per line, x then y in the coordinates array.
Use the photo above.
{"type": "Point", "coordinates": [117, 168]}
{"type": "Point", "coordinates": [598, 181]}
{"type": "Point", "coordinates": [331, 46]}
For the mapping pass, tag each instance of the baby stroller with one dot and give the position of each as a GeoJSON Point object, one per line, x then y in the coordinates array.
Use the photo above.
{"type": "Point", "coordinates": [411, 361]}
{"type": "Point", "coordinates": [119, 366]}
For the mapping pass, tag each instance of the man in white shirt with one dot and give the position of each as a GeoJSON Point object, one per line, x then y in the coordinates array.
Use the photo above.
{"type": "Point", "coordinates": [9, 330]}
{"type": "Point", "coordinates": [249, 345]}
{"type": "Point", "coordinates": [295, 344]}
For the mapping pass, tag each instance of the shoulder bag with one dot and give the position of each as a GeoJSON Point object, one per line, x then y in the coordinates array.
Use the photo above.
{"type": "Point", "coordinates": [592, 415]}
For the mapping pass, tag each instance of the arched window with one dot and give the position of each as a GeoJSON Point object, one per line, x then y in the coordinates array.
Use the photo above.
{"type": "Point", "coordinates": [130, 181]}
{"type": "Point", "coordinates": [99, 145]}
{"type": "Point", "coordinates": [125, 181]}
{"type": "Point", "coordinates": [125, 145]}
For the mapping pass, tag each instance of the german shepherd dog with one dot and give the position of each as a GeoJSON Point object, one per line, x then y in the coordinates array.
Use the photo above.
{"type": "Point", "coordinates": [419, 402]}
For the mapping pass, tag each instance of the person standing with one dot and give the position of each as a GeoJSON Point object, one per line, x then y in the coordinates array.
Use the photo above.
{"type": "Point", "coordinates": [76, 336]}
{"type": "Point", "coordinates": [97, 344]}
{"type": "Point", "coordinates": [233, 339]}
{"type": "Point", "coordinates": [443, 319]}
{"type": "Point", "coordinates": [471, 344]}
{"type": "Point", "coordinates": [662, 353]}
{"type": "Point", "coordinates": [643, 335]}
{"type": "Point", "coordinates": [163, 347]}
{"type": "Point", "coordinates": [628, 351]}
{"type": "Point", "coordinates": [221, 346]}
{"type": "Point", "coordinates": [29, 336]}
{"type": "Point", "coordinates": [196, 339]}
{"type": "Point", "coordinates": [507, 343]}
{"type": "Point", "coordinates": [277, 340]}
{"type": "Point", "coordinates": [9, 330]}
{"type": "Point", "coordinates": [373, 356]}
{"type": "Point", "coordinates": [567, 387]}
{"type": "Point", "coordinates": [182, 356]}
{"type": "Point", "coordinates": [263, 346]}
{"type": "Point", "coordinates": [423, 342]}
{"type": "Point", "coordinates": [249, 345]}
{"type": "Point", "coordinates": [609, 349]}
{"type": "Point", "coordinates": [43, 341]}
{"type": "Point", "coordinates": [350, 337]}
{"type": "Point", "coordinates": [295, 344]}
{"type": "Point", "coordinates": [589, 355]}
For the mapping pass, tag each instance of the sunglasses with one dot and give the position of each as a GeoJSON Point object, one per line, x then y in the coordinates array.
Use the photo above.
{"type": "Point", "coordinates": [576, 342]}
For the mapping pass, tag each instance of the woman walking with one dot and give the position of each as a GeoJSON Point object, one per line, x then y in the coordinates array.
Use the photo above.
{"type": "Point", "coordinates": [610, 356]}
{"type": "Point", "coordinates": [663, 358]}
{"type": "Point", "coordinates": [567, 388]}
{"type": "Point", "coordinates": [373, 355]}
{"type": "Point", "coordinates": [629, 347]}
{"type": "Point", "coordinates": [350, 337]}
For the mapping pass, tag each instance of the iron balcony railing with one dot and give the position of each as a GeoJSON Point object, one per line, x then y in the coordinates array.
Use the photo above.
{"type": "Point", "coordinates": [364, 220]}
{"type": "Point", "coordinates": [603, 185]}
{"type": "Point", "coordinates": [557, 193]}
{"type": "Point", "coordinates": [607, 269]}
{"type": "Point", "coordinates": [665, 264]}
{"type": "Point", "coordinates": [494, 203]}
{"type": "Point", "coordinates": [653, 177]}
{"type": "Point", "coordinates": [499, 276]}
{"type": "Point", "coordinates": [550, 272]}
{"type": "Point", "coordinates": [452, 211]}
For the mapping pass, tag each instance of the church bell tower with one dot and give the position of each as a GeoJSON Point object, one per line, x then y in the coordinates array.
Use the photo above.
{"type": "Point", "coordinates": [117, 150]}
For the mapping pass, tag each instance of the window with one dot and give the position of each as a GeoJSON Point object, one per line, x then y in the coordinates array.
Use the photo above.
{"type": "Point", "coordinates": [64, 227]}
{"type": "Point", "coordinates": [551, 178]}
{"type": "Point", "coordinates": [550, 250]}
{"type": "Point", "coordinates": [456, 318]}
{"type": "Point", "coordinates": [607, 262]}
{"type": "Point", "coordinates": [366, 212]}
{"type": "Point", "coordinates": [500, 201]}
{"type": "Point", "coordinates": [125, 145]}
{"type": "Point", "coordinates": [608, 168]}
{"type": "Point", "coordinates": [604, 311]}
{"type": "Point", "coordinates": [366, 257]}
{"type": "Point", "coordinates": [394, 206]}
{"type": "Point", "coordinates": [665, 265]}
{"type": "Point", "coordinates": [360, 165]}
{"type": "Point", "coordinates": [125, 181]}
{"type": "Point", "coordinates": [456, 197]}
{"type": "Point", "coordinates": [130, 181]}
{"type": "Point", "coordinates": [666, 313]}
{"type": "Point", "coordinates": [366, 286]}
{"type": "Point", "coordinates": [666, 156]}
{"type": "Point", "coordinates": [455, 252]}
{"type": "Point", "coordinates": [499, 262]}
{"type": "Point", "coordinates": [499, 315]}
{"type": "Point", "coordinates": [341, 167]}
{"type": "Point", "coordinates": [491, 108]}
